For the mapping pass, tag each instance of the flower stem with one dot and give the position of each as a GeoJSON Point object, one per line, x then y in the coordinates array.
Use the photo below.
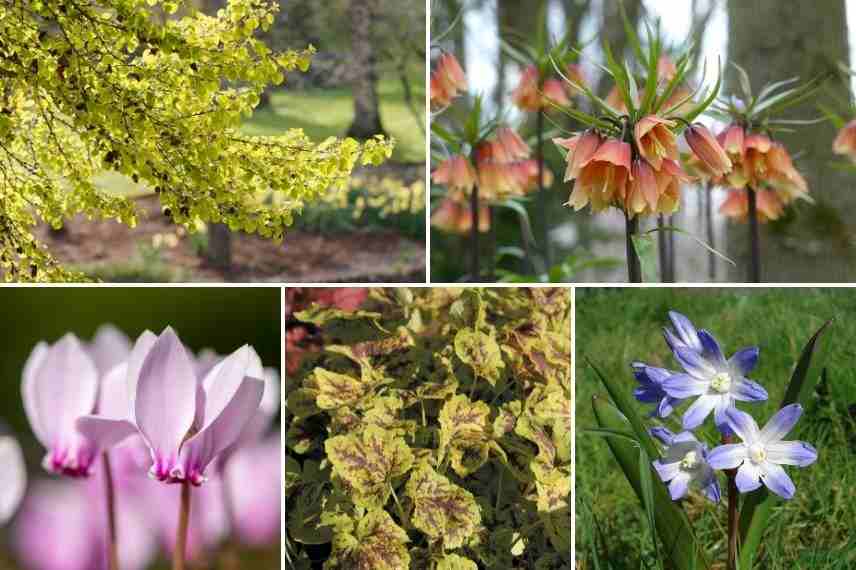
{"type": "Point", "coordinates": [663, 249]}
{"type": "Point", "coordinates": [542, 193]}
{"type": "Point", "coordinates": [183, 524]}
{"type": "Point", "coordinates": [754, 238]}
{"type": "Point", "coordinates": [733, 515]}
{"type": "Point", "coordinates": [711, 238]}
{"type": "Point", "coordinates": [230, 548]}
{"type": "Point", "coordinates": [634, 268]}
{"type": "Point", "coordinates": [109, 492]}
{"type": "Point", "coordinates": [474, 235]}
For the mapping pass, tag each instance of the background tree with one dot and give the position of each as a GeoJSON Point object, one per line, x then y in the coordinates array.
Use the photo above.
{"type": "Point", "coordinates": [778, 40]}
{"type": "Point", "coordinates": [366, 108]}
{"type": "Point", "coordinates": [98, 86]}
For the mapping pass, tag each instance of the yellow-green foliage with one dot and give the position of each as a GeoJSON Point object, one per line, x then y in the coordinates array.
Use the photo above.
{"type": "Point", "coordinates": [444, 415]}
{"type": "Point", "coordinates": [94, 86]}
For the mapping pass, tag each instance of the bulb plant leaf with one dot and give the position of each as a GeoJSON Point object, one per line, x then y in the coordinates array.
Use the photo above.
{"type": "Point", "coordinates": [758, 506]}
{"type": "Point", "coordinates": [678, 542]}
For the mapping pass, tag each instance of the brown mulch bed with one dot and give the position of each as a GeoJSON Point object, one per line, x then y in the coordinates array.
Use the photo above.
{"type": "Point", "coordinates": [114, 252]}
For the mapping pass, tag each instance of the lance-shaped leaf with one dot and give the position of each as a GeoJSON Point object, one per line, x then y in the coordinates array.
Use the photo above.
{"type": "Point", "coordinates": [377, 544]}
{"type": "Point", "coordinates": [758, 506]}
{"type": "Point", "coordinates": [455, 562]}
{"type": "Point", "coordinates": [336, 390]}
{"type": "Point", "coordinates": [442, 510]}
{"type": "Point", "coordinates": [368, 461]}
{"type": "Point", "coordinates": [673, 527]}
{"type": "Point", "coordinates": [463, 434]}
{"type": "Point", "coordinates": [481, 352]}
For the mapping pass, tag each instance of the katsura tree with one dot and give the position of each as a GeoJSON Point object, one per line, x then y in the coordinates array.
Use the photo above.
{"type": "Point", "coordinates": [92, 86]}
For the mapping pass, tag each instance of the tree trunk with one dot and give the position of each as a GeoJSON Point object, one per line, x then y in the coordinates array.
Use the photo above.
{"type": "Point", "coordinates": [219, 253]}
{"type": "Point", "coordinates": [366, 106]}
{"type": "Point", "coordinates": [775, 40]}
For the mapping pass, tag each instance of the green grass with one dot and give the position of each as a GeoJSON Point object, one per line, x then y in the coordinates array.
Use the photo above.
{"type": "Point", "coordinates": [617, 326]}
{"type": "Point", "coordinates": [323, 113]}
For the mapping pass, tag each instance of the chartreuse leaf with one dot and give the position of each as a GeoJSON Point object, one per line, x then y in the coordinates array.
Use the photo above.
{"type": "Point", "coordinates": [481, 352]}
{"type": "Point", "coordinates": [463, 434]}
{"type": "Point", "coordinates": [368, 461]}
{"type": "Point", "coordinates": [336, 390]}
{"type": "Point", "coordinates": [679, 544]}
{"type": "Point", "coordinates": [378, 543]}
{"type": "Point", "coordinates": [455, 562]}
{"type": "Point", "coordinates": [758, 505]}
{"type": "Point", "coordinates": [441, 509]}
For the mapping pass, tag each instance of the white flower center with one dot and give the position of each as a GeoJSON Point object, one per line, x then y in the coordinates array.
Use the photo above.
{"type": "Point", "coordinates": [690, 461]}
{"type": "Point", "coordinates": [757, 453]}
{"type": "Point", "coordinates": [721, 382]}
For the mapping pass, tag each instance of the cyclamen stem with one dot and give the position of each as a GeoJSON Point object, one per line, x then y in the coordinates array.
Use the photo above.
{"type": "Point", "coordinates": [183, 525]}
{"type": "Point", "coordinates": [754, 238]}
{"type": "Point", "coordinates": [112, 536]}
{"type": "Point", "coordinates": [634, 267]}
{"type": "Point", "coordinates": [230, 551]}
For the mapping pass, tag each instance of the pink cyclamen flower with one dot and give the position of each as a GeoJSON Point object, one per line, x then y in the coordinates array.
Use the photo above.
{"type": "Point", "coordinates": [13, 477]}
{"type": "Point", "coordinates": [58, 528]}
{"type": "Point", "coordinates": [187, 422]}
{"type": "Point", "coordinates": [256, 510]}
{"type": "Point", "coordinates": [60, 388]}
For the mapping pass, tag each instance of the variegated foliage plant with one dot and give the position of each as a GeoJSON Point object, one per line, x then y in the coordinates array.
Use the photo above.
{"type": "Point", "coordinates": [433, 431]}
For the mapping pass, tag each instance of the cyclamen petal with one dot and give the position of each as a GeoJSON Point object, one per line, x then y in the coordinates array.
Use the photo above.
{"type": "Point", "coordinates": [165, 403]}
{"type": "Point", "coordinates": [13, 477]}
{"type": "Point", "coordinates": [219, 433]}
{"type": "Point", "coordinates": [60, 384]}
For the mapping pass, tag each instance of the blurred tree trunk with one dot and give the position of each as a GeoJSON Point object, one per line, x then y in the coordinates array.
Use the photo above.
{"type": "Point", "coordinates": [775, 40]}
{"type": "Point", "coordinates": [366, 106]}
{"type": "Point", "coordinates": [612, 31]}
{"type": "Point", "coordinates": [219, 252]}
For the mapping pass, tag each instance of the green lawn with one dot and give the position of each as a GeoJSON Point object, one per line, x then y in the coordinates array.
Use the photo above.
{"type": "Point", "coordinates": [616, 326]}
{"type": "Point", "coordinates": [323, 113]}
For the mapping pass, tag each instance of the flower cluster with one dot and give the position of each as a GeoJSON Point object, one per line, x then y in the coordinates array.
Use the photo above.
{"type": "Point", "coordinates": [530, 97]}
{"type": "Point", "coordinates": [448, 81]}
{"type": "Point", "coordinates": [639, 174]}
{"type": "Point", "coordinates": [760, 164]}
{"type": "Point", "coordinates": [845, 142]}
{"type": "Point", "coordinates": [83, 400]}
{"type": "Point", "coordinates": [716, 384]}
{"type": "Point", "coordinates": [500, 167]}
